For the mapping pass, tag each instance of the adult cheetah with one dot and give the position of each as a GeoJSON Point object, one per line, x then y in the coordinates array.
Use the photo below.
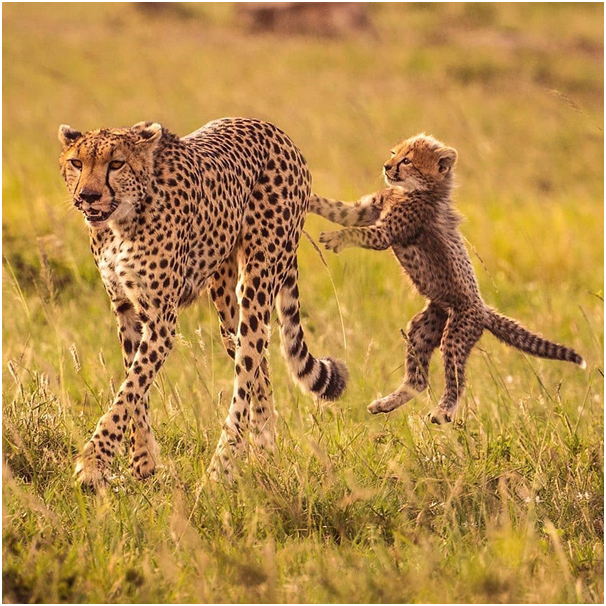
{"type": "Point", "coordinates": [221, 208]}
{"type": "Point", "coordinates": [414, 216]}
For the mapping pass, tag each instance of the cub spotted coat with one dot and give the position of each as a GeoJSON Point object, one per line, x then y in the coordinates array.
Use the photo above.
{"type": "Point", "coordinates": [414, 216]}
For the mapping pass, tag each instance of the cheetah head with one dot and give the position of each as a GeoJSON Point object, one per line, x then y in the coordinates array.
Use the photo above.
{"type": "Point", "coordinates": [420, 163]}
{"type": "Point", "coordinates": [107, 171]}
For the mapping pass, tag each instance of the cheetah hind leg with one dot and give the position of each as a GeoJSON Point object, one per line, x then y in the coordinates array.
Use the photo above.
{"type": "Point", "coordinates": [262, 410]}
{"type": "Point", "coordinates": [423, 336]}
{"type": "Point", "coordinates": [263, 414]}
{"type": "Point", "coordinates": [251, 339]}
{"type": "Point", "coordinates": [461, 333]}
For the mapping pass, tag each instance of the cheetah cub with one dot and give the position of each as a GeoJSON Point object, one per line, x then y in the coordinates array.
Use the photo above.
{"type": "Point", "coordinates": [415, 217]}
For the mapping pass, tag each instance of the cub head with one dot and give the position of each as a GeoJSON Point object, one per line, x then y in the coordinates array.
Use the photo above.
{"type": "Point", "coordinates": [107, 171]}
{"type": "Point", "coordinates": [420, 163]}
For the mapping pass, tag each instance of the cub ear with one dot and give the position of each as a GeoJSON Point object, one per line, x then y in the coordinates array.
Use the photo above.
{"type": "Point", "coordinates": [447, 159]}
{"type": "Point", "coordinates": [67, 135]}
{"type": "Point", "coordinates": [148, 133]}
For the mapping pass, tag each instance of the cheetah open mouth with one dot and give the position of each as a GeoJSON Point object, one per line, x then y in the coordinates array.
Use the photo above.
{"type": "Point", "coordinates": [95, 215]}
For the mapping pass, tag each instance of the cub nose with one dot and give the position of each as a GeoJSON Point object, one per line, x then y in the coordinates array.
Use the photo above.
{"type": "Point", "coordinates": [89, 196]}
{"type": "Point", "coordinates": [386, 167]}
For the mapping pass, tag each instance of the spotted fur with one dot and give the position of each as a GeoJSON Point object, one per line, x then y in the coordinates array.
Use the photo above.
{"type": "Point", "coordinates": [221, 208]}
{"type": "Point", "coordinates": [414, 216]}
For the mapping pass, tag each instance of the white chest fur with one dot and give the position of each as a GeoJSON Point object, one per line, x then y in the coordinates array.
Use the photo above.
{"type": "Point", "coordinates": [118, 271]}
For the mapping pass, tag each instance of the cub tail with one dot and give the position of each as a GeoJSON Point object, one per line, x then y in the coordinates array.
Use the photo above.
{"type": "Point", "coordinates": [513, 333]}
{"type": "Point", "coordinates": [324, 377]}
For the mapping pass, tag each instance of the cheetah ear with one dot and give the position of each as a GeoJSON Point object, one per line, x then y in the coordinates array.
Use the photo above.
{"type": "Point", "coordinates": [447, 159]}
{"type": "Point", "coordinates": [67, 135]}
{"type": "Point", "coordinates": [148, 133]}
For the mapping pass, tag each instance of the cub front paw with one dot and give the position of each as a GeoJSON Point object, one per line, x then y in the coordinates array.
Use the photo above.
{"type": "Point", "coordinates": [332, 240]}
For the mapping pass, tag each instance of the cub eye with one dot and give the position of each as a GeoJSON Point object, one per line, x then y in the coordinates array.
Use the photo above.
{"type": "Point", "coordinates": [406, 161]}
{"type": "Point", "coordinates": [76, 163]}
{"type": "Point", "coordinates": [393, 153]}
{"type": "Point", "coordinates": [116, 164]}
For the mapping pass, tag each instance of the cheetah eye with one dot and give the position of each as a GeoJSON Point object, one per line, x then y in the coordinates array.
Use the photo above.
{"type": "Point", "coordinates": [406, 161]}
{"type": "Point", "coordinates": [116, 164]}
{"type": "Point", "coordinates": [76, 163]}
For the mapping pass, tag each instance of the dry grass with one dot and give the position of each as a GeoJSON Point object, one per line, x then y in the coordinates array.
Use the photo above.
{"type": "Point", "coordinates": [507, 506]}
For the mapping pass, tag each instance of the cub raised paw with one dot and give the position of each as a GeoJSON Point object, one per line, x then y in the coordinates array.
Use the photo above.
{"type": "Point", "coordinates": [394, 400]}
{"type": "Point", "coordinates": [333, 240]}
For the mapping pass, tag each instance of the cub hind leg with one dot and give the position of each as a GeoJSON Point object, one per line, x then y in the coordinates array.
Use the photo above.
{"type": "Point", "coordinates": [424, 334]}
{"type": "Point", "coordinates": [463, 330]}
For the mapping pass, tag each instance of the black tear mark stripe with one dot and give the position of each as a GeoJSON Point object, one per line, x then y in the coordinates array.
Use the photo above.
{"type": "Point", "coordinates": [111, 191]}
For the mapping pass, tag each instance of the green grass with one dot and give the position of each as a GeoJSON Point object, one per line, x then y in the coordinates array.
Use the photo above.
{"type": "Point", "coordinates": [506, 506]}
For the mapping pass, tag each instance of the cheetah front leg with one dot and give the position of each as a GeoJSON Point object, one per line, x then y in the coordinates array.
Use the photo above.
{"type": "Point", "coordinates": [92, 466]}
{"type": "Point", "coordinates": [143, 448]}
{"type": "Point", "coordinates": [255, 299]}
{"type": "Point", "coordinates": [375, 237]}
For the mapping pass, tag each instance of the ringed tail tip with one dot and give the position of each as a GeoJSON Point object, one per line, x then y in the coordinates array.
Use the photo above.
{"type": "Point", "coordinates": [339, 375]}
{"type": "Point", "coordinates": [583, 364]}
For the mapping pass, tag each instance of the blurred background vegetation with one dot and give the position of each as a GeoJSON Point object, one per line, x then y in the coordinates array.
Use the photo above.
{"type": "Point", "coordinates": [505, 506]}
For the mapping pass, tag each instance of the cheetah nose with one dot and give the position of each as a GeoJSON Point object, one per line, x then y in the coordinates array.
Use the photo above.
{"type": "Point", "coordinates": [89, 196]}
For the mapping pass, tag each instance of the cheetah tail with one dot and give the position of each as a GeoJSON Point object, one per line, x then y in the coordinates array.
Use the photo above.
{"type": "Point", "coordinates": [324, 377]}
{"type": "Point", "coordinates": [513, 333]}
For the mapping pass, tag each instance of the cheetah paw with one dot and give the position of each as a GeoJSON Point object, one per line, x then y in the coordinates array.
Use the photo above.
{"type": "Point", "coordinates": [221, 469]}
{"type": "Point", "coordinates": [264, 442]}
{"type": "Point", "coordinates": [394, 400]}
{"type": "Point", "coordinates": [143, 462]}
{"type": "Point", "coordinates": [88, 474]}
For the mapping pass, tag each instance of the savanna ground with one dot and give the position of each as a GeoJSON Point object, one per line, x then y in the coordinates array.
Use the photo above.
{"type": "Point", "coordinates": [504, 506]}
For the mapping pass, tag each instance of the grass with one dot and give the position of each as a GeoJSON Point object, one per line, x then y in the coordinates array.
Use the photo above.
{"type": "Point", "coordinates": [505, 506]}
